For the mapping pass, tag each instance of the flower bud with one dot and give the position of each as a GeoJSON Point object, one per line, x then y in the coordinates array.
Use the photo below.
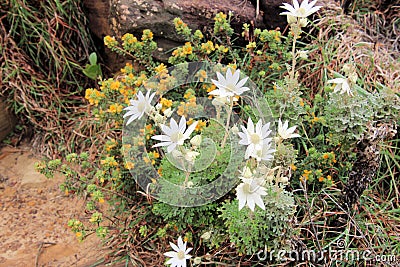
{"type": "Point", "coordinates": [168, 112]}
{"type": "Point", "coordinates": [303, 54]}
{"type": "Point", "coordinates": [158, 118]}
{"type": "Point", "coordinates": [303, 22]}
{"type": "Point", "coordinates": [196, 140]}
{"type": "Point", "coordinates": [291, 19]}
{"type": "Point", "coordinates": [284, 179]}
{"type": "Point", "coordinates": [197, 260]}
{"type": "Point", "coordinates": [247, 173]}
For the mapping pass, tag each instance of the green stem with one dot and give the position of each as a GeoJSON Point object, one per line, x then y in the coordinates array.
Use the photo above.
{"type": "Point", "coordinates": [293, 56]}
{"type": "Point", "coordinates": [228, 120]}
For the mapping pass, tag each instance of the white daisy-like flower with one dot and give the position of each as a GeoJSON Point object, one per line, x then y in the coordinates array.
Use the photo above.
{"type": "Point", "coordinates": [300, 11]}
{"type": "Point", "coordinates": [138, 107]}
{"type": "Point", "coordinates": [285, 132]}
{"type": "Point", "coordinates": [180, 254]}
{"type": "Point", "coordinates": [230, 85]}
{"type": "Point", "coordinates": [254, 139]}
{"type": "Point", "coordinates": [342, 86]}
{"type": "Point", "coordinates": [265, 153]}
{"type": "Point", "coordinates": [175, 134]}
{"type": "Point", "coordinates": [249, 192]}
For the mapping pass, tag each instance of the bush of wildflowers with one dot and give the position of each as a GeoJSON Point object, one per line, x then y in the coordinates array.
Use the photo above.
{"type": "Point", "coordinates": [213, 150]}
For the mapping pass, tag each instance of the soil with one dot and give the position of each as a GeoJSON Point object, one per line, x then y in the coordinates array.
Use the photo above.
{"type": "Point", "coordinates": [34, 216]}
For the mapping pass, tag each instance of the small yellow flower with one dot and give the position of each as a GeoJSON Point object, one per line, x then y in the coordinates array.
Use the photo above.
{"type": "Point", "coordinates": [115, 108]}
{"type": "Point", "coordinates": [208, 47]}
{"type": "Point", "coordinates": [321, 179]}
{"type": "Point", "coordinates": [110, 41]}
{"type": "Point", "coordinates": [115, 85]}
{"type": "Point", "coordinates": [78, 234]}
{"type": "Point", "coordinates": [293, 167]}
{"type": "Point", "coordinates": [187, 49]}
{"type": "Point", "coordinates": [166, 103]}
{"type": "Point", "coordinates": [200, 125]}
{"type": "Point", "coordinates": [129, 165]}
{"type": "Point", "coordinates": [147, 35]}
{"type": "Point", "coordinates": [146, 160]}
{"type": "Point", "coordinates": [160, 68]}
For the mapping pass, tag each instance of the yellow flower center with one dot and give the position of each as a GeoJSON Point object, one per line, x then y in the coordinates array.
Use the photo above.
{"type": "Point", "coordinates": [247, 188]}
{"type": "Point", "coordinates": [255, 138]}
{"type": "Point", "coordinates": [302, 11]}
{"type": "Point", "coordinates": [176, 137]}
{"type": "Point", "coordinates": [141, 106]}
{"type": "Point", "coordinates": [230, 87]}
{"type": "Point", "coordinates": [181, 255]}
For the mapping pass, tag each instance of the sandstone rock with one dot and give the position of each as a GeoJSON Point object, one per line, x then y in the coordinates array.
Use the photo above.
{"type": "Point", "coordinates": [7, 120]}
{"type": "Point", "coordinates": [117, 17]}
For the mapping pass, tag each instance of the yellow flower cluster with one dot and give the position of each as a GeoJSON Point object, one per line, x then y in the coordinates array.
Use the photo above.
{"type": "Point", "coordinates": [147, 35]}
{"type": "Point", "coordinates": [187, 49]}
{"type": "Point", "coordinates": [160, 69]}
{"type": "Point", "coordinates": [186, 108]}
{"type": "Point", "coordinates": [110, 42]}
{"type": "Point", "coordinates": [201, 75]}
{"type": "Point", "coordinates": [115, 108]}
{"type": "Point", "coordinates": [166, 103]}
{"type": "Point", "coordinates": [110, 145]}
{"type": "Point", "coordinates": [179, 24]}
{"type": "Point", "coordinates": [129, 39]}
{"type": "Point", "coordinates": [220, 17]}
{"type": "Point", "coordinates": [129, 165]}
{"type": "Point", "coordinates": [94, 96]}
{"type": "Point", "coordinates": [330, 156]}
{"type": "Point", "coordinates": [109, 162]}
{"type": "Point", "coordinates": [200, 124]}
{"type": "Point", "coordinates": [305, 175]}
{"type": "Point", "coordinates": [221, 48]}
{"type": "Point", "coordinates": [208, 47]}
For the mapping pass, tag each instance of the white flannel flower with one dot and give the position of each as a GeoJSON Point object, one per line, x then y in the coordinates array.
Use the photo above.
{"type": "Point", "coordinates": [138, 107]}
{"type": "Point", "coordinates": [180, 254]}
{"type": "Point", "coordinates": [342, 86]}
{"type": "Point", "coordinates": [285, 132]}
{"type": "Point", "coordinates": [249, 192]}
{"type": "Point", "coordinates": [175, 134]}
{"type": "Point", "coordinates": [300, 11]}
{"type": "Point", "coordinates": [254, 139]}
{"type": "Point", "coordinates": [265, 153]}
{"type": "Point", "coordinates": [229, 86]}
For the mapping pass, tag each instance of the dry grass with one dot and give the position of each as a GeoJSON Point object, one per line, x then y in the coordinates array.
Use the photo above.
{"type": "Point", "coordinates": [340, 39]}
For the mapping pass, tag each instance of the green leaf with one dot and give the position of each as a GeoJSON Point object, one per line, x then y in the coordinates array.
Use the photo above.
{"type": "Point", "coordinates": [93, 58]}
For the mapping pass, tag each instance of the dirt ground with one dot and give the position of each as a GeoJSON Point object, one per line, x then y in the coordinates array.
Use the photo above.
{"type": "Point", "coordinates": [34, 216]}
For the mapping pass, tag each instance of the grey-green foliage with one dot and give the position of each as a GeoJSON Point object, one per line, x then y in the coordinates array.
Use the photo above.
{"type": "Point", "coordinates": [346, 117]}
{"type": "Point", "coordinates": [270, 228]}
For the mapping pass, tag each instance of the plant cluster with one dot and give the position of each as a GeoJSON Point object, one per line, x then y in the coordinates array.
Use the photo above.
{"type": "Point", "coordinates": [164, 143]}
